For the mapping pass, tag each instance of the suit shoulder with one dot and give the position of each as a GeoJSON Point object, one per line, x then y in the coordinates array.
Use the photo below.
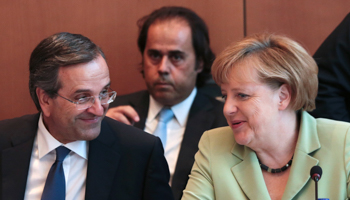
{"type": "Point", "coordinates": [134, 95]}
{"type": "Point", "coordinates": [129, 140]}
{"type": "Point", "coordinates": [18, 122]}
{"type": "Point", "coordinates": [220, 132]}
{"type": "Point", "coordinates": [129, 98]}
{"type": "Point", "coordinates": [203, 98]}
{"type": "Point", "coordinates": [331, 122]}
{"type": "Point", "coordinates": [127, 132]}
{"type": "Point", "coordinates": [21, 128]}
{"type": "Point", "coordinates": [329, 126]}
{"type": "Point", "coordinates": [215, 100]}
{"type": "Point", "coordinates": [220, 137]}
{"type": "Point", "coordinates": [209, 107]}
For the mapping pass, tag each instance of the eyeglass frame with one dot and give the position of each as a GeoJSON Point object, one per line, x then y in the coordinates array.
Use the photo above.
{"type": "Point", "coordinates": [92, 100]}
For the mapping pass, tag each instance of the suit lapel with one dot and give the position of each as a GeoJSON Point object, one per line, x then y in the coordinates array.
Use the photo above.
{"type": "Point", "coordinates": [308, 142]}
{"type": "Point", "coordinates": [103, 163]}
{"type": "Point", "coordinates": [299, 175]}
{"type": "Point", "coordinates": [198, 115]}
{"type": "Point", "coordinates": [141, 105]}
{"type": "Point", "coordinates": [16, 159]}
{"type": "Point", "coordinates": [248, 174]}
{"type": "Point", "coordinates": [14, 178]}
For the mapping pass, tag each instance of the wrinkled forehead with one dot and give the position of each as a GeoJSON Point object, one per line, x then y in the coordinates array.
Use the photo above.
{"type": "Point", "coordinates": [94, 74]}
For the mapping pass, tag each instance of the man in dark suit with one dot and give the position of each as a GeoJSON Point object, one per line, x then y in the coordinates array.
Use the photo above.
{"type": "Point", "coordinates": [333, 60]}
{"type": "Point", "coordinates": [176, 62]}
{"type": "Point", "coordinates": [103, 159]}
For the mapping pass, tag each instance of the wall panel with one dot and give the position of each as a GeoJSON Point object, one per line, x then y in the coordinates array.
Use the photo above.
{"type": "Point", "coordinates": [109, 23]}
{"type": "Point", "coordinates": [307, 21]}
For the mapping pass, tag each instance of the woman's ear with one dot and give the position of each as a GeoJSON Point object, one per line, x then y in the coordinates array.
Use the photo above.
{"type": "Point", "coordinates": [44, 101]}
{"type": "Point", "coordinates": [285, 96]}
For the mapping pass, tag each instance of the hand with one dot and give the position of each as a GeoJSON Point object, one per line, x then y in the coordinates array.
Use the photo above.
{"type": "Point", "coordinates": [124, 114]}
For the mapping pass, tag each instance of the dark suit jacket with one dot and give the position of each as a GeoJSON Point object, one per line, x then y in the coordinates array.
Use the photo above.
{"type": "Point", "coordinates": [333, 60]}
{"type": "Point", "coordinates": [205, 113]}
{"type": "Point", "coordinates": [123, 162]}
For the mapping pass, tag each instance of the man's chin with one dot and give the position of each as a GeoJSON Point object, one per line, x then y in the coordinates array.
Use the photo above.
{"type": "Point", "coordinates": [89, 131]}
{"type": "Point", "coordinates": [90, 134]}
{"type": "Point", "coordinates": [166, 99]}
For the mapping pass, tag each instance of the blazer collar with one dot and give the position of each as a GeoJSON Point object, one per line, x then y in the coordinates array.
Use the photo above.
{"type": "Point", "coordinates": [303, 161]}
{"type": "Point", "coordinates": [248, 173]}
{"type": "Point", "coordinates": [15, 160]}
{"type": "Point", "coordinates": [103, 161]}
{"type": "Point", "coordinates": [141, 105]}
{"type": "Point", "coordinates": [200, 113]}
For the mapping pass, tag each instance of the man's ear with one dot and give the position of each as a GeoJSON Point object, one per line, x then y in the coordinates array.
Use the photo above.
{"type": "Point", "coordinates": [285, 95]}
{"type": "Point", "coordinates": [44, 101]}
{"type": "Point", "coordinates": [142, 68]}
{"type": "Point", "coordinates": [199, 66]}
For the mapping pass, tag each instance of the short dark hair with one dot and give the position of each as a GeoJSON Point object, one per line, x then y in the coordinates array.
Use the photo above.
{"type": "Point", "coordinates": [58, 50]}
{"type": "Point", "coordinates": [200, 35]}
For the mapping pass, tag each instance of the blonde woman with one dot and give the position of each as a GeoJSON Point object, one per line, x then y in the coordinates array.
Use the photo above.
{"type": "Point", "coordinates": [268, 83]}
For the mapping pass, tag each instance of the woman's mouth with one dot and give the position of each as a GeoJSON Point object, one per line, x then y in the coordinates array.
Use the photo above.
{"type": "Point", "coordinates": [237, 124]}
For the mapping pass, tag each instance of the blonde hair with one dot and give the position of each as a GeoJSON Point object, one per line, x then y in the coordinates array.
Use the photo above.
{"type": "Point", "coordinates": [281, 61]}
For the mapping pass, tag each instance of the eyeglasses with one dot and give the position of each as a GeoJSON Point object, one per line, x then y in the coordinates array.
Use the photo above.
{"type": "Point", "coordinates": [86, 102]}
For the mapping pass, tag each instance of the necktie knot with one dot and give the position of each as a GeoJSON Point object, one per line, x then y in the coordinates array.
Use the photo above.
{"type": "Point", "coordinates": [165, 115]}
{"type": "Point", "coordinates": [61, 153]}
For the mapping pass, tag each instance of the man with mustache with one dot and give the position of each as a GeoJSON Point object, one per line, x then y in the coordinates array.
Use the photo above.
{"type": "Point", "coordinates": [70, 150]}
{"type": "Point", "coordinates": [176, 62]}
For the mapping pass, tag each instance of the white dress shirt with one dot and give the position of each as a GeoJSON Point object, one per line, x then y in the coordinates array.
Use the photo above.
{"type": "Point", "coordinates": [175, 127]}
{"type": "Point", "coordinates": [44, 155]}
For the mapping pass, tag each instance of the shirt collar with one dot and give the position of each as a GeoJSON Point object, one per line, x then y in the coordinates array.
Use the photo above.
{"type": "Point", "coordinates": [180, 110]}
{"type": "Point", "coordinates": [47, 143]}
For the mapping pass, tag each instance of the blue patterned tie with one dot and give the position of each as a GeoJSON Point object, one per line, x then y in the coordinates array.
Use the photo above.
{"type": "Point", "coordinates": [165, 115]}
{"type": "Point", "coordinates": [55, 186]}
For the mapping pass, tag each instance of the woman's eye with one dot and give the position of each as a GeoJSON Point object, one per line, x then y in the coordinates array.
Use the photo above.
{"type": "Point", "coordinates": [243, 96]}
{"type": "Point", "coordinates": [224, 97]}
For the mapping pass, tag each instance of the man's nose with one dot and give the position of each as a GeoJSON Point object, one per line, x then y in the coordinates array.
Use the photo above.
{"type": "Point", "coordinates": [164, 65]}
{"type": "Point", "coordinates": [97, 108]}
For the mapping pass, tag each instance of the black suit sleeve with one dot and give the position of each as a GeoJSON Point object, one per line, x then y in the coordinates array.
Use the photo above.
{"type": "Point", "coordinates": [333, 60]}
{"type": "Point", "coordinates": [156, 186]}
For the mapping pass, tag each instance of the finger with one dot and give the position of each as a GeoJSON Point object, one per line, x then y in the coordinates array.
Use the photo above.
{"type": "Point", "coordinates": [119, 117]}
{"type": "Point", "coordinates": [125, 114]}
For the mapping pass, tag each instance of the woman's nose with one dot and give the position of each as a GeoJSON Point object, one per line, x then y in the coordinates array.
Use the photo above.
{"type": "Point", "coordinates": [230, 107]}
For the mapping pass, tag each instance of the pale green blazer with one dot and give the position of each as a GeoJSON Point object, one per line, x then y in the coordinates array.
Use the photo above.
{"type": "Point", "coordinates": [225, 170]}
